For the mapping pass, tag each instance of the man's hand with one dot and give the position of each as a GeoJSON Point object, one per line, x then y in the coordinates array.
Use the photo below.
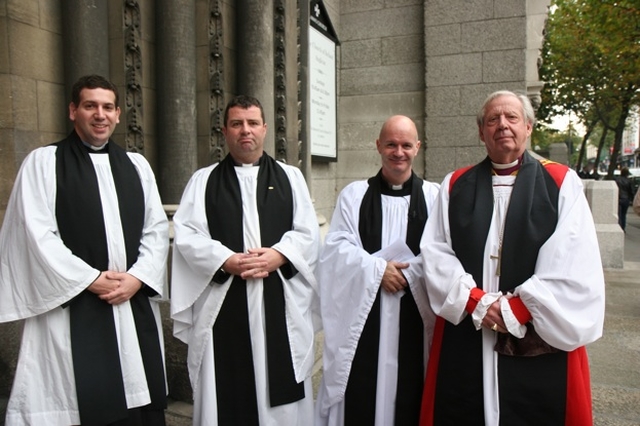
{"type": "Point", "coordinates": [273, 258]}
{"type": "Point", "coordinates": [493, 319]}
{"type": "Point", "coordinates": [128, 286]}
{"type": "Point", "coordinates": [256, 263]}
{"type": "Point", "coordinates": [103, 284]}
{"type": "Point", "coordinates": [393, 280]}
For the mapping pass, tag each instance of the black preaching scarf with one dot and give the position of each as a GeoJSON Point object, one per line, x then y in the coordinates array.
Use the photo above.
{"type": "Point", "coordinates": [235, 376]}
{"type": "Point", "coordinates": [530, 220]}
{"type": "Point", "coordinates": [360, 395]}
{"type": "Point", "coordinates": [94, 346]}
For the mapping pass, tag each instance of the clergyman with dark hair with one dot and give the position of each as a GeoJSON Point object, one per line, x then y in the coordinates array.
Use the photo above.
{"type": "Point", "coordinates": [243, 291]}
{"type": "Point", "coordinates": [83, 252]}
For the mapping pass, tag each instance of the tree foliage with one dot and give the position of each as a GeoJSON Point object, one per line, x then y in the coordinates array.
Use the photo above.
{"type": "Point", "coordinates": [544, 136]}
{"type": "Point", "coordinates": [591, 63]}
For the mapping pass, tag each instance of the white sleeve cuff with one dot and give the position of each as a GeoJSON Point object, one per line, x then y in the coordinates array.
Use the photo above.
{"type": "Point", "coordinates": [482, 307]}
{"type": "Point", "coordinates": [513, 325]}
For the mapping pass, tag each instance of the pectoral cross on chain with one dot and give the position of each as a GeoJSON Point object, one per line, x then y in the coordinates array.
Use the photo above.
{"type": "Point", "coordinates": [498, 258]}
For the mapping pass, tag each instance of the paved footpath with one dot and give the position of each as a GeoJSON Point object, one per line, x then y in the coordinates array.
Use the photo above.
{"type": "Point", "coordinates": [614, 359]}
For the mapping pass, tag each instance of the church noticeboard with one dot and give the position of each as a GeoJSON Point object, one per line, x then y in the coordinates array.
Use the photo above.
{"type": "Point", "coordinates": [322, 85]}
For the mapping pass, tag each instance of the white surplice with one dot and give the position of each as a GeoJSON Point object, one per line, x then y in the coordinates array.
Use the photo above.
{"type": "Point", "coordinates": [565, 295]}
{"type": "Point", "coordinates": [195, 303]}
{"type": "Point", "coordinates": [38, 274]}
{"type": "Point", "coordinates": [349, 279]}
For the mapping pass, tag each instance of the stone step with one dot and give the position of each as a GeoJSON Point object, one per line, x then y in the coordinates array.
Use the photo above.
{"type": "Point", "coordinates": [179, 413]}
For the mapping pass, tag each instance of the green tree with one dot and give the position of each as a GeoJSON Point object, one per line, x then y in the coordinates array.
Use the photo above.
{"type": "Point", "coordinates": [591, 64]}
{"type": "Point", "coordinates": [544, 136]}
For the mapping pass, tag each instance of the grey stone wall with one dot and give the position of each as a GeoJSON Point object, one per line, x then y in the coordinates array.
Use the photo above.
{"type": "Point", "coordinates": [472, 48]}
{"type": "Point", "coordinates": [434, 61]}
{"type": "Point", "coordinates": [33, 112]}
{"type": "Point", "coordinates": [381, 73]}
{"type": "Point", "coordinates": [32, 102]}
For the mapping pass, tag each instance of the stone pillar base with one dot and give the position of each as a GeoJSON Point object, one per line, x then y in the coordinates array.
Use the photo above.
{"type": "Point", "coordinates": [611, 243]}
{"type": "Point", "coordinates": [602, 196]}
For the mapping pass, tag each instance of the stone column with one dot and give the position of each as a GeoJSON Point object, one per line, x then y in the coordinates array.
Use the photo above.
{"type": "Point", "coordinates": [254, 67]}
{"type": "Point", "coordinates": [176, 96]}
{"type": "Point", "coordinates": [85, 35]}
{"type": "Point", "coordinates": [536, 18]}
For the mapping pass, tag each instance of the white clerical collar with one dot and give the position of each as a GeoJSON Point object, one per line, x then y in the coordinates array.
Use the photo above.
{"type": "Point", "coordinates": [395, 187]}
{"type": "Point", "coordinates": [505, 166]}
{"type": "Point", "coordinates": [239, 164]}
{"type": "Point", "coordinates": [95, 148]}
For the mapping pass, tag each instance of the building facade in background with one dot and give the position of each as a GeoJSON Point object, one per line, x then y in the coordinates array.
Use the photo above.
{"type": "Point", "coordinates": [630, 150]}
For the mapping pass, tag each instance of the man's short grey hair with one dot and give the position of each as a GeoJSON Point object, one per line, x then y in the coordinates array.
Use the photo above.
{"type": "Point", "coordinates": [527, 109]}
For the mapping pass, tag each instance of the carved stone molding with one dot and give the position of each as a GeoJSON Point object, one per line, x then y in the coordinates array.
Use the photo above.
{"type": "Point", "coordinates": [536, 24]}
{"type": "Point", "coordinates": [134, 137]}
{"type": "Point", "coordinates": [280, 80]}
{"type": "Point", "coordinates": [299, 67]}
{"type": "Point", "coordinates": [216, 82]}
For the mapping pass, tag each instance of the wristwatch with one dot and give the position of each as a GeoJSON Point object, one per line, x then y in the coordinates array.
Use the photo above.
{"type": "Point", "coordinates": [221, 276]}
